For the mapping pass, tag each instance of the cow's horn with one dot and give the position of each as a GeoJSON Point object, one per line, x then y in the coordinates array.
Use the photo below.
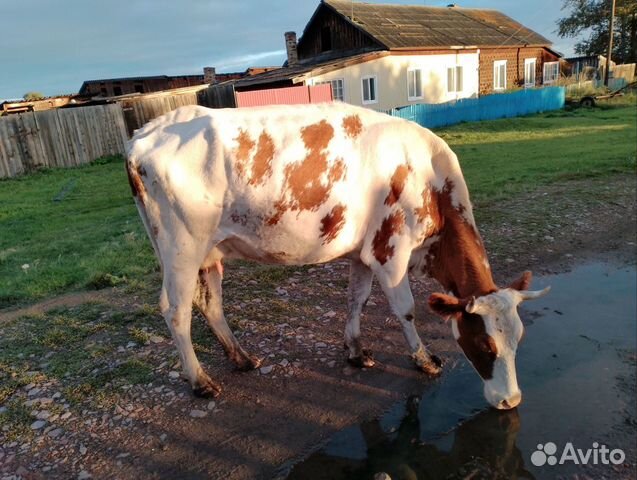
{"type": "Point", "coordinates": [533, 294]}
{"type": "Point", "coordinates": [471, 306]}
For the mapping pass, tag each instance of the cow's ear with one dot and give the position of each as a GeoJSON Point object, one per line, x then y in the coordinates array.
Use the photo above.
{"type": "Point", "coordinates": [446, 305]}
{"type": "Point", "coordinates": [522, 283]}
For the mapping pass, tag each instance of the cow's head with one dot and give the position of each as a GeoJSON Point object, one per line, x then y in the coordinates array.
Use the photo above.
{"type": "Point", "coordinates": [489, 329]}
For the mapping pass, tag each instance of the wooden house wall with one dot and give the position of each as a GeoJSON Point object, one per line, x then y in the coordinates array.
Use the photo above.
{"type": "Point", "coordinates": [344, 36]}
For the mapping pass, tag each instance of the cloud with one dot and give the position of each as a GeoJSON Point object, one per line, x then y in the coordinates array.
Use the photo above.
{"type": "Point", "coordinates": [245, 60]}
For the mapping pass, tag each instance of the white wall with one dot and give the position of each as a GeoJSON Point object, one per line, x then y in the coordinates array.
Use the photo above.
{"type": "Point", "coordinates": [391, 72]}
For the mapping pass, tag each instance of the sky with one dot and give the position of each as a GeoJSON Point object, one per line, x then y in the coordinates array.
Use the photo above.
{"type": "Point", "coordinates": [52, 46]}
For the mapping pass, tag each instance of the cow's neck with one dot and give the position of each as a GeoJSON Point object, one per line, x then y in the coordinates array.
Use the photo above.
{"type": "Point", "coordinates": [458, 259]}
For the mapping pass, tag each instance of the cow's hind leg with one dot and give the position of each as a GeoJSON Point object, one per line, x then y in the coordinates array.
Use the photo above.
{"type": "Point", "coordinates": [360, 287]}
{"type": "Point", "coordinates": [208, 298]}
{"type": "Point", "coordinates": [176, 305]}
{"type": "Point", "coordinates": [395, 284]}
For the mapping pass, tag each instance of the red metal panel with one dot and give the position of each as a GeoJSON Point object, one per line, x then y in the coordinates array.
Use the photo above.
{"type": "Point", "coordinates": [285, 96]}
{"type": "Point", "coordinates": [321, 93]}
{"type": "Point", "coordinates": [292, 95]}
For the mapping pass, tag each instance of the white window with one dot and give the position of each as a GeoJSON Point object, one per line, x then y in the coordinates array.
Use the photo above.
{"type": "Point", "coordinates": [414, 84]}
{"type": "Point", "coordinates": [338, 89]}
{"type": "Point", "coordinates": [500, 75]}
{"type": "Point", "coordinates": [529, 72]}
{"type": "Point", "coordinates": [551, 72]}
{"type": "Point", "coordinates": [370, 89]}
{"type": "Point", "coordinates": [454, 79]}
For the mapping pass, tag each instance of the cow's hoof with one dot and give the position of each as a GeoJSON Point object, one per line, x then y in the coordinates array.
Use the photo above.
{"type": "Point", "coordinates": [431, 366]}
{"type": "Point", "coordinates": [364, 360]}
{"type": "Point", "coordinates": [246, 363]}
{"type": "Point", "coordinates": [206, 387]}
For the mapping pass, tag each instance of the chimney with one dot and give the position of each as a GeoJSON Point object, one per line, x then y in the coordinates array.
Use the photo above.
{"type": "Point", "coordinates": [290, 47]}
{"type": "Point", "coordinates": [209, 75]}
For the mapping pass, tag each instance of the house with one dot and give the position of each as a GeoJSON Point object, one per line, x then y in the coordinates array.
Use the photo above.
{"type": "Point", "coordinates": [387, 56]}
{"type": "Point", "coordinates": [113, 87]}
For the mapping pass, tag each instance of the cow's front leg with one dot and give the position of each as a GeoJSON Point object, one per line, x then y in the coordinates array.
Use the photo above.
{"type": "Point", "coordinates": [176, 305]}
{"type": "Point", "coordinates": [395, 283]}
{"type": "Point", "coordinates": [360, 287]}
{"type": "Point", "coordinates": [208, 298]}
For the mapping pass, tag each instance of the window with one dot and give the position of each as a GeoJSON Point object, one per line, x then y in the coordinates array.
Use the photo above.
{"type": "Point", "coordinates": [326, 39]}
{"type": "Point", "coordinates": [551, 72]}
{"type": "Point", "coordinates": [529, 72]}
{"type": "Point", "coordinates": [500, 75]}
{"type": "Point", "coordinates": [370, 91]}
{"type": "Point", "coordinates": [414, 84]}
{"type": "Point", "coordinates": [338, 90]}
{"type": "Point", "coordinates": [454, 79]}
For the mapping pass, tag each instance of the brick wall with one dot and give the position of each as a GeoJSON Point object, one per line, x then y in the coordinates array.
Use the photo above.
{"type": "Point", "coordinates": [515, 65]}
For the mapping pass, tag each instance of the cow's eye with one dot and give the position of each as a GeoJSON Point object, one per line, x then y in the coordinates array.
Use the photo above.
{"type": "Point", "coordinates": [486, 343]}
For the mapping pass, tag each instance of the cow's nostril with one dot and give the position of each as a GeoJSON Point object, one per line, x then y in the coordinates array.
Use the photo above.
{"type": "Point", "coordinates": [505, 405]}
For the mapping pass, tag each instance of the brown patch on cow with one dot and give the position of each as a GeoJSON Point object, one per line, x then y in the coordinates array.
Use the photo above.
{"type": "Point", "coordinates": [479, 347]}
{"type": "Point", "coordinates": [304, 186]}
{"type": "Point", "coordinates": [458, 258]}
{"type": "Point", "coordinates": [429, 207]}
{"type": "Point", "coordinates": [134, 179]}
{"type": "Point", "coordinates": [392, 225]}
{"type": "Point", "coordinates": [262, 165]}
{"type": "Point", "coordinates": [397, 184]}
{"type": "Point", "coordinates": [337, 172]}
{"type": "Point", "coordinates": [353, 126]}
{"type": "Point", "coordinates": [242, 153]}
{"type": "Point", "coordinates": [332, 223]}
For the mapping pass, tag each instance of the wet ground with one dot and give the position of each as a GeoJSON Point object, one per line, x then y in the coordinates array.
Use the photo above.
{"type": "Point", "coordinates": [576, 368]}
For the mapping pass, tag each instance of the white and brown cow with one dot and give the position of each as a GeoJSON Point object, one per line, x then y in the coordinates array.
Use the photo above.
{"type": "Point", "coordinates": [298, 185]}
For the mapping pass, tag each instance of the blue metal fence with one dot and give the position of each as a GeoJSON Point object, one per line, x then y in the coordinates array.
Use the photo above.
{"type": "Point", "coordinates": [489, 107]}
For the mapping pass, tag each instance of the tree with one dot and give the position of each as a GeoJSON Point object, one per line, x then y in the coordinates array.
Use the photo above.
{"type": "Point", "coordinates": [32, 96]}
{"type": "Point", "coordinates": [592, 18]}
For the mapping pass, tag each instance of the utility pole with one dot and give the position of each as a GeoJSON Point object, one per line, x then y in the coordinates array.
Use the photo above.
{"type": "Point", "coordinates": [610, 42]}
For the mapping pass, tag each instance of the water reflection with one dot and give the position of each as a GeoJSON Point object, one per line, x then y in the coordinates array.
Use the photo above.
{"type": "Point", "coordinates": [483, 447]}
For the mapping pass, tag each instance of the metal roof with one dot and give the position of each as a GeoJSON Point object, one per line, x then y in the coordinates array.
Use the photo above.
{"type": "Point", "coordinates": [416, 26]}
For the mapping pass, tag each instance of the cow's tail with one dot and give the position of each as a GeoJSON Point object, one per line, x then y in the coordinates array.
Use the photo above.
{"type": "Point", "coordinates": [135, 173]}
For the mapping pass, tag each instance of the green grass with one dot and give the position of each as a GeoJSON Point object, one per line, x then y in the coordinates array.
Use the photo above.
{"type": "Point", "coordinates": [90, 238]}
{"type": "Point", "coordinates": [504, 157]}
{"type": "Point", "coordinates": [93, 237]}
{"type": "Point", "coordinates": [77, 346]}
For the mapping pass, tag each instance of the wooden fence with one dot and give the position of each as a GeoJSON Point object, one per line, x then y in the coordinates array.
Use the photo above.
{"type": "Point", "coordinates": [141, 109]}
{"type": "Point", "coordinates": [60, 138]}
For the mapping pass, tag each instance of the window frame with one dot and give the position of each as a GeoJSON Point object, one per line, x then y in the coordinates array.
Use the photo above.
{"type": "Point", "coordinates": [369, 77]}
{"type": "Point", "coordinates": [455, 68]}
{"type": "Point", "coordinates": [496, 65]}
{"type": "Point", "coordinates": [411, 98]}
{"type": "Point", "coordinates": [557, 73]}
{"type": "Point", "coordinates": [331, 84]}
{"type": "Point", "coordinates": [528, 61]}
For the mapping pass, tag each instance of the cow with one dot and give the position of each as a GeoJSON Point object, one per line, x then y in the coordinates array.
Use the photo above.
{"type": "Point", "coordinates": [300, 185]}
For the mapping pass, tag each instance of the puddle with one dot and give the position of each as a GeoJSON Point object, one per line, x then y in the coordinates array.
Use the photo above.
{"type": "Point", "coordinates": [576, 368]}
